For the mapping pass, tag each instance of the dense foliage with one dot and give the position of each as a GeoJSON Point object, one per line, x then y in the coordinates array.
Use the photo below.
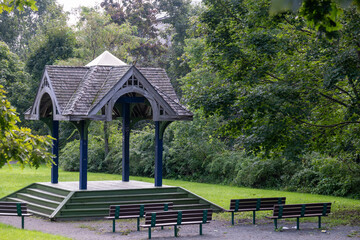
{"type": "Point", "coordinates": [275, 93]}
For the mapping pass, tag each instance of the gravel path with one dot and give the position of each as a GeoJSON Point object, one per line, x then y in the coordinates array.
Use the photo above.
{"type": "Point", "coordinates": [217, 229]}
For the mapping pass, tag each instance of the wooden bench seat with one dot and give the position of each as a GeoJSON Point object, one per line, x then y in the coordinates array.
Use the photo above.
{"type": "Point", "coordinates": [253, 204]}
{"type": "Point", "coordinates": [135, 211]}
{"type": "Point", "coordinates": [300, 210]}
{"type": "Point", "coordinates": [14, 209]}
{"type": "Point", "coordinates": [176, 218]}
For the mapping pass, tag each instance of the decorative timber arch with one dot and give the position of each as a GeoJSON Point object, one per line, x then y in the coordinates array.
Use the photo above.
{"type": "Point", "coordinates": [104, 90]}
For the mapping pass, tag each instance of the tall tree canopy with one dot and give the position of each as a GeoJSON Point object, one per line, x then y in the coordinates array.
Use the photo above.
{"type": "Point", "coordinates": [18, 28]}
{"type": "Point", "coordinates": [17, 144]}
{"type": "Point", "coordinates": [283, 87]}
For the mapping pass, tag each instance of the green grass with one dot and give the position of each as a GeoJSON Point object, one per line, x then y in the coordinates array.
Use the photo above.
{"type": "Point", "coordinates": [9, 232]}
{"type": "Point", "coordinates": [344, 210]}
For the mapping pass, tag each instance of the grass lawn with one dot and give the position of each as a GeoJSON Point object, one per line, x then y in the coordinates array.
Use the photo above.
{"type": "Point", "coordinates": [10, 232]}
{"type": "Point", "coordinates": [344, 210]}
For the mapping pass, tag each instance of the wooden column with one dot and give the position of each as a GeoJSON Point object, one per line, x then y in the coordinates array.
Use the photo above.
{"type": "Point", "coordinates": [55, 152]}
{"type": "Point", "coordinates": [125, 142]}
{"type": "Point", "coordinates": [83, 130]}
{"type": "Point", "coordinates": [158, 155]}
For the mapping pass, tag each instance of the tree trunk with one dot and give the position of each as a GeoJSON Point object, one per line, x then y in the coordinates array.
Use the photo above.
{"type": "Point", "coordinates": [106, 138]}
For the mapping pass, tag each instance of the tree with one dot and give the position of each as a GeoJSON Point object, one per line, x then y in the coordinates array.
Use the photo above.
{"type": "Point", "coordinates": [14, 79]}
{"type": "Point", "coordinates": [18, 28]}
{"type": "Point", "coordinates": [177, 15]}
{"type": "Point", "coordinates": [96, 34]}
{"type": "Point", "coordinates": [143, 15]}
{"type": "Point", "coordinates": [286, 89]}
{"type": "Point", "coordinates": [323, 15]}
{"type": "Point", "coordinates": [55, 42]}
{"type": "Point", "coordinates": [19, 144]}
{"type": "Point", "coordinates": [10, 5]}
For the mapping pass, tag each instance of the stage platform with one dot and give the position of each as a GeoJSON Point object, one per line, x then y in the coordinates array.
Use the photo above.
{"type": "Point", "coordinates": [102, 185]}
{"type": "Point", "coordinates": [64, 200]}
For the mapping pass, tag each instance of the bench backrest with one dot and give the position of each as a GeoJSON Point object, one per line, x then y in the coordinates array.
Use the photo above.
{"type": "Point", "coordinates": [302, 210]}
{"type": "Point", "coordinates": [255, 203]}
{"type": "Point", "coordinates": [178, 217]}
{"type": "Point", "coordinates": [13, 207]}
{"type": "Point", "coordinates": [138, 209]}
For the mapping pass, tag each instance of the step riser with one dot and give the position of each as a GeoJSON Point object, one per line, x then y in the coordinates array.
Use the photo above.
{"type": "Point", "coordinates": [134, 198]}
{"type": "Point", "coordinates": [38, 209]}
{"type": "Point", "coordinates": [106, 205]}
{"type": "Point", "coordinates": [126, 192]}
{"type": "Point", "coordinates": [37, 201]}
{"type": "Point", "coordinates": [52, 190]}
{"type": "Point", "coordinates": [46, 196]}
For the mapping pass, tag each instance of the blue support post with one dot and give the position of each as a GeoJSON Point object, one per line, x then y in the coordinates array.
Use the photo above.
{"type": "Point", "coordinates": [158, 155]}
{"type": "Point", "coordinates": [83, 154]}
{"type": "Point", "coordinates": [55, 152]}
{"type": "Point", "coordinates": [125, 142]}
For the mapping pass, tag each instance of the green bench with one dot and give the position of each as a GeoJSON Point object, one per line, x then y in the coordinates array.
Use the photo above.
{"type": "Point", "coordinates": [14, 209]}
{"type": "Point", "coordinates": [253, 204]}
{"type": "Point", "coordinates": [177, 218]}
{"type": "Point", "coordinates": [300, 210]}
{"type": "Point", "coordinates": [135, 211]}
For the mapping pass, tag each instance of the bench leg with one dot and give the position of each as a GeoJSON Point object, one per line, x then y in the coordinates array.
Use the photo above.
{"type": "Point", "coordinates": [253, 217]}
{"type": "Point", "coordinates": [138, 224]}
{"type": "Point", "coordinates": [22, 222]}
{"type": "Point", "coordinates": [297, 224]}
{"type": "Point", "coordinates": [275, 223]}
{"type": "Point", "coordinates": [175, 231]}
{"type": "Point", "coordinates": [149, 232]}
{"type": "Point", "coordinates": [200, 229]}
{"type": "Point", "coordinates": [319, 221]}
{"type": "Point", "coordinates": [162, 227]}
{"type": "Point", "coordinates": [232, 218]}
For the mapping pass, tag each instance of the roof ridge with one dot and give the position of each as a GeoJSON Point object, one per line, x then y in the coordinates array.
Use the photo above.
{"type": "Point", "coordinates": [77, 94]}
{"type": "Point", "coordinates": [98, 92]}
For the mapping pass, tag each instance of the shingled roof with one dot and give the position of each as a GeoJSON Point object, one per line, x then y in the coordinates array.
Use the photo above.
{"type": "Point", "coordinates": [92, 92]}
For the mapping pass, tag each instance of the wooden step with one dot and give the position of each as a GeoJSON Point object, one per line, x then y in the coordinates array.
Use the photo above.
{"type": "Point", "coordinates": [125, 192]}
{"type": "Point", "coordinates": [107, 204]}
{"type": "Point", "coordinates": [38, 200]}
{"type": "Point", "coordinates": [54, 190]}
{"type": "Point", "coordinates": [45, 194]}
{"type": "Point", "coordinates": [133, 196]}
{"type": "Point", "coordinates": [39, 213]}
{"type": "Point", "coordinates": [35, 207]}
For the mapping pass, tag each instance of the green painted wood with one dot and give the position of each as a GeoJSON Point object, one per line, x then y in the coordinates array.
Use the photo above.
{"type": "Point", "coordinates": [125, 191]}
{"type": "Point", "coordinates": [49, 189]}
{"type": "Point", "coordinates": [14, 193]}
{"type": "Point", "coordinates": [132, 196]}
{"type": "Point", "coordinates": [107, 204]}
{"type": "Point", "coordinates": [61, 206]}
{"type": "Point", "coordinates": [34, 206]}
{"type": "Point", "coordinates": [57, 203]}
{"type": "Point", "coordinates": [38, 200]}
{"type": "Point", "coordinates": [45, 194]}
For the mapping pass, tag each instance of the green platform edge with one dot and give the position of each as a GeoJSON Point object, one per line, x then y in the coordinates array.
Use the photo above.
{"type": "Point", "coordinates": [71, 195]}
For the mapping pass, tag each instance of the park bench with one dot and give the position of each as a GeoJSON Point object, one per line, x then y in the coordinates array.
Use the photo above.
{"type": "Point", "coordinates": [135, 211]}
{"type": "Point", "coordinates": [300, 210]}
{"type": "Point", "coordinates": [177, 218]}
{"type": "Point", "coordinates": [14, 209]}
{"type": "Point", "coordinates": [253, 204]}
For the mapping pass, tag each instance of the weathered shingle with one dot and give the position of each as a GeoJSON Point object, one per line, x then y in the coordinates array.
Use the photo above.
{"type": "Point", "coordinates": [79, 89]}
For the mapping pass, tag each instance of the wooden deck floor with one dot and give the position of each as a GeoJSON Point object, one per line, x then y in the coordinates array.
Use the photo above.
{"type": "Point", "coordinates": [102, 185]}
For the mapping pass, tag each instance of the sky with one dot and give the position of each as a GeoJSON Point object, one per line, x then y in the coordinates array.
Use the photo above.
{"type": "Point", "coordinates": [68, 5]}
